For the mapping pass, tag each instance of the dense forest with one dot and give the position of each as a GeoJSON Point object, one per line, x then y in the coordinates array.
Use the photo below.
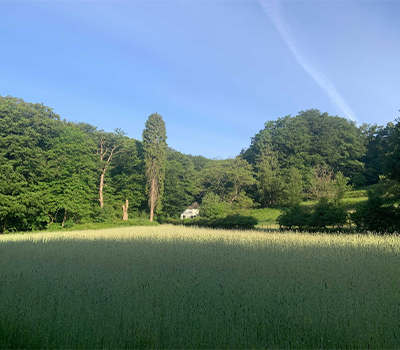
{"type": "Point", "coordinates": [58, 172]}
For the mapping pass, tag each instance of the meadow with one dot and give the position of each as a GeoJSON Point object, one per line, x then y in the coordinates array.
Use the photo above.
{"type": "Point", "coordinates": [174, 287]}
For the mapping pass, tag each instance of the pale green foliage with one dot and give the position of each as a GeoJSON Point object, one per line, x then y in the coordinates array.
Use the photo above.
{"type": "Point", "coordinates": [292, 187]}
{"type": "Point", "coordinates": [269, 182]}
{"type": "Point", "coordinates": [340, 186]}
{"type": "Point", "coordinates": [325, 184]}
{"type": "Point", "coordinates": [172, 287]}
{"type": "Point", "coordinates": [212, 206]}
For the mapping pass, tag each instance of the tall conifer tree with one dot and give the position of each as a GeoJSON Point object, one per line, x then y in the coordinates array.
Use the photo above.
{"type": "Point", "coordinates": [155, 145]}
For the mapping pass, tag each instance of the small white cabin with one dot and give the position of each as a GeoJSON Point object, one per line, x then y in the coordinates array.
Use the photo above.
{"type": "Point", "coordinates": [191, 211]}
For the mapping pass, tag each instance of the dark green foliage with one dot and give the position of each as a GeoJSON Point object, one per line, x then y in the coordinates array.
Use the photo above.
{"type": "Point", "coordinates": [323, 215]}
{"type": "Point", "coordinates": [49, 170]}
{"type": "Point", "coordinates": [105, 214]}
{"type": "Point", "coordinates": [296, 217]}
{"type": "Point", "coordinates": [199, 162]}
{"type": "Point", "coordinates": [28, 131]}
{"type": "Point", "coordinates": [311, 138]}
{"type": "Point", "coordinates": [392, 155]}
{"type": "Point", "coordinates": [327, 213]}
{"type": "Point", "coordinates": [374, 159]}
{"type": "Point", "coordinates": [128, 178]}
{"type": "Point", "coordinates": [181, 185]}
{"type": "Point", "coordinates": [378, 214]}
{"type": "Point", "coordinates": [155, 145]}
{"type": "Point", "coordinates": [72, 184]}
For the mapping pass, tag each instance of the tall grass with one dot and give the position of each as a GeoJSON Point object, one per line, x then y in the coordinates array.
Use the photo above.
{"type": "Point", "coordinates": [174, 287]}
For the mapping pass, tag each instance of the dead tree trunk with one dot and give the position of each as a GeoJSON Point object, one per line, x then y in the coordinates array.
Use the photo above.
{"type": "Point", "coordinates": [101, 198]}
{"type": "Point", "coordinates": [125, 210]}
{"type": "Point", "coordinates": [104, 150]}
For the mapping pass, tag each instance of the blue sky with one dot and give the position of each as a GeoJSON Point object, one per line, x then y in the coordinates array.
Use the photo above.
{"type": "Point", "coordinates": [215, 70]}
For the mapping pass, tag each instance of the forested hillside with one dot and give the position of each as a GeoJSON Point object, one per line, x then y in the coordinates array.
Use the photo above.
{"type": "Point", "coordinates": [57, 172]}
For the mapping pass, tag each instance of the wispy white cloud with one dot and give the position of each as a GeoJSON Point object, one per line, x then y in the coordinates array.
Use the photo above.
{"type": "Point", "coordinates": [272, 9]}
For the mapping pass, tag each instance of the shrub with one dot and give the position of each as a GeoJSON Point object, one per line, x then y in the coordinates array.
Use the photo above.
{"type": "Point", "coordinates": [376, 215]}
{"type": "Point", "coordinates": [295, 217]}
{"type": "Point", "coordinates": [69, 223]}
{"type": "Point", "coordinates": [324, 213]}
{"type": "Point", "coordinates": [236, 221]}
{"type": "Point", "coordinates": [107, 213]}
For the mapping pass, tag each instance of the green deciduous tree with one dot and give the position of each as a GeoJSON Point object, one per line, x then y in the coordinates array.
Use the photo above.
{"type": "Point", "coordinates": [311, 138]}
{"type": "Point", "coordinates": [392, 156]}
{"type": "Point", "coordinates": [28, 131]}
{"type": "Point", "coordinates": [72, 176]}
{"type": "Point", "coordinates": [128, 177]}
{"type": "Point", "coordinates": [212, 206]}
{"type": "Point", "coordinates": [379, 213]}
{"type": "Point", "coordinates": [269, 182]}
{"type": "Point", "coordinates": [154, 145]}
{"type": "Point", "coordinates": [230, 179]}
{"type": "Point", "coordinates": [325, 184]}
{"type": "Point", "coordinates": [180, 186]}
{"type": "Point", "coordinates": [292, 187]}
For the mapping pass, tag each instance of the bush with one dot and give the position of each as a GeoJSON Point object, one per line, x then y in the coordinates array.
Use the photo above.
{"type": "Point", "coordinates": [54, 226]}
{"type": "Point", "coordinates": [376, 215]}
{"type": "Point", "coordinates": [323, 214]}
{"type": "Point", "coordinates": [107, 213]}
{"type": "Point", "coordinates": [236, 221]}
{"type": "Point", "coordinates": [69, 223]}
{"type": "Point", "coordinates": [355, 194]}
{"type": "Point", "coordinates": [295, 217]}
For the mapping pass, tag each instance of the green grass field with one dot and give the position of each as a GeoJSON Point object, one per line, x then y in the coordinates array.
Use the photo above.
{"type": "Point", "coordinates": [175, 287]}
{"type": "Point", "coordinates": [266, 217]}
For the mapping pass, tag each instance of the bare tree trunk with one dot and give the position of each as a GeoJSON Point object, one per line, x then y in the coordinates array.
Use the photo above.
{"type": "Point", "coordinates": [125, 210]}
{"type": "Point", "coordinates": [152, 198]}
{"type": "Point", "coordinates": [103, 152]}
{"type": "Point", "coordinates": [101, 198]}
{"type": "Point", "coordinates": [65, 218]}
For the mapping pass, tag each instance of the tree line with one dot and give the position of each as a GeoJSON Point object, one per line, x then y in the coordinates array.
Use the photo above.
{"type": "Point", "coordinates": [58, 172]}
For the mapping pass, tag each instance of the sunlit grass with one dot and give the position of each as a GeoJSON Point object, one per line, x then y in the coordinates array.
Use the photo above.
{"type": "Point", "coordinates": [266, 217]}
{"type": "Point", "coordinates": [175, 287]}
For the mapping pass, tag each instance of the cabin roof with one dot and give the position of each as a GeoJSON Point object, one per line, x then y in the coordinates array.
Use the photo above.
{"type": "Point", "coordinates": [194, 205]}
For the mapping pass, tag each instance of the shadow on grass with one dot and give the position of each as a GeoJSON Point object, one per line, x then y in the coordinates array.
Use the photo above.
{"type": "Point", "coordinates": [144, 293]}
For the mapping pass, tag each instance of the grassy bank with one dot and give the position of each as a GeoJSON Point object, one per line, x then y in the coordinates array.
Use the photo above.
{"type": "Point", "coordinates": [175, 287]}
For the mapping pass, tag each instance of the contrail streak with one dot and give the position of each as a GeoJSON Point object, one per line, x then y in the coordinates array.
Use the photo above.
{"type": "Point", "coordinates": [271, 8]}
